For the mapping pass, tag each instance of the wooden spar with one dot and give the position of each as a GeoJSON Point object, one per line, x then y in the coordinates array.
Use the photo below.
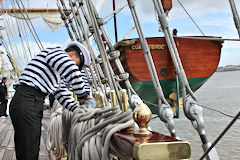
{"type": "Point", "coordinates": [31, 10]}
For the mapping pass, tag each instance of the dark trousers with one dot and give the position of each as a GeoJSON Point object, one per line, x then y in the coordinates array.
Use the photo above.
{"type": "Point", "coordinates": [26, 111]}
{"type": "Point", "coordinates": [3, 108]}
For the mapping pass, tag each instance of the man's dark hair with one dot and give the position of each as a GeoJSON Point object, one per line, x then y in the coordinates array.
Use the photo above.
{"type": "Point", "coordinates": [4, 78]}
{"type": "Point", "coordinates": [73, 48]}
{"type": "Point", "coordinates": [79, 54]}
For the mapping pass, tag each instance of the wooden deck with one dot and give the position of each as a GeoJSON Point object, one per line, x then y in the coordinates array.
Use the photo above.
{"type": "Point", "coordinates": [7, 138]}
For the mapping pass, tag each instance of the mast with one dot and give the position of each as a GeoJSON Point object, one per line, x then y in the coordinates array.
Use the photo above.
{"type": "Point", "coordinates": [115, 22]}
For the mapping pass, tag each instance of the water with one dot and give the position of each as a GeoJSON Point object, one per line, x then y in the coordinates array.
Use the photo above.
{"type": "Point", "coordinates": [221, 92]}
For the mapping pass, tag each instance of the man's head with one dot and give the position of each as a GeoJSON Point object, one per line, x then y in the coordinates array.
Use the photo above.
{"type": "Point", "coordinates": [4, 80]}
{"type": "Point", "coordinates": [78, 53]}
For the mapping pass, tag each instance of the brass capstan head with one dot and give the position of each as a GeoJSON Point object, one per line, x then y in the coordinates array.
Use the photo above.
{"type": "Point", "coordinates": [142, 115]}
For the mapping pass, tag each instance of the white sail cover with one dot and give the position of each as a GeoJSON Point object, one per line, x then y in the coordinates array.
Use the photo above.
{"type": "Point", "coordinates": [52, 19]}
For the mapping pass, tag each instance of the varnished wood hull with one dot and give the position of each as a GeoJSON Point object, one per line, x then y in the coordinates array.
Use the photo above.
{"type": "Point", "coordinates": [199, 58]}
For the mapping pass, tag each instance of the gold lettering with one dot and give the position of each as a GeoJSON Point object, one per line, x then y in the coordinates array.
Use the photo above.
{"type": "Point", "coordinates": [151, 46]}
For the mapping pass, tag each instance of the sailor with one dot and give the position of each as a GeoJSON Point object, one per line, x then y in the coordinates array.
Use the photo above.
{"type": "Point", "coordinates": [3, 97]}
{"type": "Point", "coordinates": [41, 77]}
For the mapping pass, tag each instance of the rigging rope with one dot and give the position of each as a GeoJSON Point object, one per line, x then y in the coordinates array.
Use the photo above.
{"type": "Point", "coordinates": [10, 36]}
{"type": "Point", "coordinates": [96, 79]}
{"type": "Point", "coordinates": [114, 54]}
{"type": "Point", "coordinates": [191, 17]}
{"type": "Point", "coordinates": [36, 40]}
{"type": "Point", "coordinates": [20, 35]}
{"type": "Point", "coordinates": [220, 136]}
{"type": "Point", "coordinates": [221, 112]}
{"type": "Point", "coordinates": [31, 23]}
{"type": "Point", "coordinates": [23, 28]}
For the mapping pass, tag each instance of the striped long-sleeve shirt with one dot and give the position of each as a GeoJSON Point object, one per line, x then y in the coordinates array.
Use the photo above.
{"type": "Point", "coordinates": [47, 69]}
{"type": "Point", "coordinates": [84, 78]}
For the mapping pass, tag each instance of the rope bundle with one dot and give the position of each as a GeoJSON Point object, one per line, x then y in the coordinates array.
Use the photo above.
{"type": "Point", "coordinates": [54, 133]}
{"type": "Point", "coordinates": [87, 131]}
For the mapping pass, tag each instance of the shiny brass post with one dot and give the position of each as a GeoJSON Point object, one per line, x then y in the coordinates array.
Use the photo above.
{"type": "Point", "coordinates": [142, 115]}
{"type": "Point", "coordinates": [113, 98]}
{"type": "Point", "coordinates": [123, 96]}
{"type": "Point", "coordinates": [102, 100]}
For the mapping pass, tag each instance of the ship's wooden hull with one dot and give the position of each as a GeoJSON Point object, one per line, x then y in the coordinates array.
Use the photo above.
{"type": "Point", "coordinates": [199, 58]}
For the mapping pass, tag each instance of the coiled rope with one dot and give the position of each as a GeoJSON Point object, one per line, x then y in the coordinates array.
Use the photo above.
{"type": "Point", "coordinates": [54, 132]}
{"type": "Point", "coordinates": [86, 132]}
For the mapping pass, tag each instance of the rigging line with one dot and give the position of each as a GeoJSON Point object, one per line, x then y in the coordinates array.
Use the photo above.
{"type": "Point", "coordinates": [223, 113]}
{"type": "Point", "coordinates": [8, 32]}
{"type": "Point", "coordinates": [32, 34]}
{"type": "Point", "coordinates": [74, 16]}
{"type": "Point", "coordinates": [26, 38]}
{"type": "Point", "coordinates": [85, 37]}
{"type": "Point", "coordinates": [17, 47]}
{"type": "Point", "coordinates": [82, 10]}
{"type": "Point", "coordinates": [23, 27]}
{"type": "Point", "coordinates": [191, 18]}
{"type": "Point", "coordinates": [172, 48]}
{"type": "Point", "coordinates": [98, 39]}
{"type": "Point", "coordinates": [220, 136]}
{"type": "Point", "coordinates": [111, 17]}
{"type": "Point", "coordinates": [30, 22]}
{"type": "Point", "coordinates": [20, 35]}
{"type": "Point", "coordinates": [117, 61]}
{"type": "Point", "coordinates": [208, 38]}
{"type": "Point", "coordinates": [70, 21]}
{"type": "Point", "coordinates": [115, 11]}
{"type": "Point", "coordinates": [10, 58]}
{"type": "Point", "coordinates": [63, 17]}
{"type": "Point", "coordinates": [40, 46]}
{"type": "Point", "coordinates": [228, 115]}
{"type": "Point", "coordinates": [23, 47]}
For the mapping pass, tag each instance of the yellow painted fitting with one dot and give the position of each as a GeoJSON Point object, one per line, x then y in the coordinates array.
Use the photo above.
{"type": "Point", "coordinates": [123, 96]}
{"type": "Point", "coordinates": [97, 98]}
{"type": "Point", "coordinates": [113, 98]}
{"type": "Point", "coordinates": [102, 100]}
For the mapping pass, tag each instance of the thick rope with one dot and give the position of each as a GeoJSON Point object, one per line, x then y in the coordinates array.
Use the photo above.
{"type": "Point", "coordinates": [54, 133]}
{"type": "Point", "coordinates": [85, 133]}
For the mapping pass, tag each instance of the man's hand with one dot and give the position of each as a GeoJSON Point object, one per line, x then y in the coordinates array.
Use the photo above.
{"type": "Point", "coordinates": [81, 101]}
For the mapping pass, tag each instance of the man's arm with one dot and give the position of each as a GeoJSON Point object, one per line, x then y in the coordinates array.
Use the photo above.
{"type": "Point", "coordinates": [64, 98]}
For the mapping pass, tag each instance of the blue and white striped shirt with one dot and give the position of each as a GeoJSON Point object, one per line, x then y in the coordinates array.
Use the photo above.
{"type": "Point", "coordinates": [47, 69]}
